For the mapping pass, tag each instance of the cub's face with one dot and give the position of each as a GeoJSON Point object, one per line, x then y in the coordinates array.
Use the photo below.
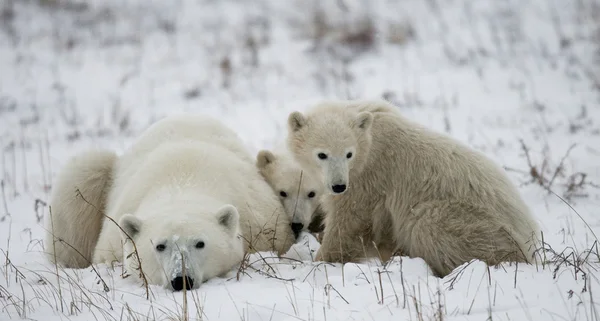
{"type": "Point", "coordinates": [298, 190]}
{"type": "Point", "coordinates": [329, 142]}
{"type": "Point", "coordinates": [182, 251]}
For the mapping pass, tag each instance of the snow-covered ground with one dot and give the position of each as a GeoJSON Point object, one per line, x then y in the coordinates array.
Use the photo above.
{"type": "Point", "coordinates": [516, 79]}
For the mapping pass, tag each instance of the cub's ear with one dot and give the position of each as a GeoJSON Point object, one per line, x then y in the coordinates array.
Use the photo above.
{"type": "Point", "coordinates": [131, 225]}
{"type": "Point", "coordinates": [264, 158]}
{"type": "Point", "coordinates": [229, 217]}
{"type": "Point", "coordinates": [363, 121]}
{"type": "Point", "coordinates": [296, 121]}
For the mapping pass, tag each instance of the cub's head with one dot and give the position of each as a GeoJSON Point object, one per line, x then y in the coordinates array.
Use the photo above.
{"type": "Point", "coordinates": [332, 140]}
{"type": "Point", "coordinates": [298, 190]}
{"type": "Point", "coordinates": [183, 247]}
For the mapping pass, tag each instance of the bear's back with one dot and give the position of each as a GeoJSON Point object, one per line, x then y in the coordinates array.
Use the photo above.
{"type": "Point", "coordinates": [178, 148]}
{"type": "Point", "coordinates": [198, 168]}
{"type": "Point", "coordinates": [432, 165]}
{"type": "Point", "coordinates": [186, 128]}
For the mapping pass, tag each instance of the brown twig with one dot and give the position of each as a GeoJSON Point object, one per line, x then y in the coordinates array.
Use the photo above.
{"type": "Point", "coordinates": [135, 250]}
{"type": "Point", "coordinates": [55, 261]}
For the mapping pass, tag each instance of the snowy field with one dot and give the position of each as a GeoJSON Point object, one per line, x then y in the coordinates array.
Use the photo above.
{"type": "Point", "coordinates": [516, 79]}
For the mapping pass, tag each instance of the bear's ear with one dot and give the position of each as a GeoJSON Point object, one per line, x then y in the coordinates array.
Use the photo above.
{"type": "Point", "coordinates": [229, 217]}
{"type": "Point", "coordinates": [130, 224]}
{"type": "Point", "coordinates": [264, 158]}
{"type": "Point", "coordinates": [363, 121]}
{"type": "Point", "coordinates": [296, 121]}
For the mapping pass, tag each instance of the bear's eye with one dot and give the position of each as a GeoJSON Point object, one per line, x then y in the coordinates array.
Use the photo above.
{"type": "Point", "coordinates": [200, 245]}
{"type": "Point", "coordinates": [283, 194]}
{"type": "Point", "coordinates": [322, 156]}
{"type": "Point", "coordinates": [311, 194]}
{"type": "Point", "coordinates": [161, 247]}
{"type": "Point", "coordinates": [349, 155]}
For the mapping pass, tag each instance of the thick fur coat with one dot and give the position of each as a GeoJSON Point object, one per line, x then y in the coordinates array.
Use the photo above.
{"type": "Point", "coordinates": [299, 190]}
{"type": "Point", "coordinates": [395, 186]}
{"type": "Point", "coordinates": [187, 183]}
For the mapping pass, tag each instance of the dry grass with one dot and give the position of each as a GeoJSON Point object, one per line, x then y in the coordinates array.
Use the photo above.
{"type": "Point", "coordinates": [545, 175]}
{"type": "Point", "coordinates": [337, 44]}
{"type": "Point", "coordinates": [134, 254]}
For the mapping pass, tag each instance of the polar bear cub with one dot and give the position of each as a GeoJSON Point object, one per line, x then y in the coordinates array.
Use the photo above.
{"type": "Point", "coordinates": [406, 189]}
{"type": "Point", "coordinates": [188, 197]}
{"type": "Point", "coordinates": [299, 190]}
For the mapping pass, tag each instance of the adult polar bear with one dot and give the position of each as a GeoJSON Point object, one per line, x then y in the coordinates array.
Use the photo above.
{"type": "Point", "coordinates": [404, 188]}
{"type": "Point", "coordinates": [185, 189]}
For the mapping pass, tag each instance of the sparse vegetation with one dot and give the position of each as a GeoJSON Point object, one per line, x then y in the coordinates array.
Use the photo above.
{"type": "Point", "coordinates": [518, 80]}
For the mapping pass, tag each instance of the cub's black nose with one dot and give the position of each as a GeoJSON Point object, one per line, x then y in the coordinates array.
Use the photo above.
{"type": "Point", "coordinates": [297, 228]}
{"type": "Point", "coordinates": [338, 188]}
{"type": "Point", "coordinates": [177, 283]}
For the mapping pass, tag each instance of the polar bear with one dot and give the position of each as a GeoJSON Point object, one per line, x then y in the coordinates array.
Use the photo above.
{"type": "Point", "coordinates": [187, 199]}
{"type": "Point", "coordinates": [299, 190]}
{"type": "Point", "coordinates": [397, 187]}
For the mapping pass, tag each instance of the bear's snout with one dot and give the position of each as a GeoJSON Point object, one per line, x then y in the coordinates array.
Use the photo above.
{"type": "Point", "coordinates": [297, 228]}
{"type": "Point", "coordinates": [338, 189]}
{"type": "Point", "coordinates": [177, 283]}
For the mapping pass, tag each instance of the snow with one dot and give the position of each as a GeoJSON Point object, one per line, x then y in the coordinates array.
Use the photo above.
{"type": "Point", "coordinates": [501, 76]}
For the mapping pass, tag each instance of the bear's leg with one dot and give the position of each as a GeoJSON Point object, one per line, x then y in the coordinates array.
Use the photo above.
{"type": "Point", "coordinates": [77, 208]}
{"type": "Point", "coordinates": [317, 224]}
{"type": "Point", "coordinates": [447, 234]}
{"type": "Point", "coordinates": [345, 240]}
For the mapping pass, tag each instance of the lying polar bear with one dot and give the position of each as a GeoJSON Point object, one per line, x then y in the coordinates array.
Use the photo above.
{"type": "Point", "coordinates": [187, 193]}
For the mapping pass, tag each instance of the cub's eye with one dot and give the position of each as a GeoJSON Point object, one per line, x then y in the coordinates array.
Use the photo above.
{"type": "Point", "coordinates": [200, 245]}
{"type": "Point", "coordinates": [322, 156]}
{"type": "Point", "coordinates": [283, 194]}
{"type": "Point", "coordinates": [311, 194]}
{"type": "Point", "coordinates": [349, 155]}
{"type": "Point", "coordinates": [161, 247]}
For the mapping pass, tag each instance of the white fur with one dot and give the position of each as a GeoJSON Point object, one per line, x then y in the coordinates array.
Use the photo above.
{"type": "Point", "coordinates": [188, 179]}
{"type": "Point", "coordinates": [77, 207]}
{"type": "Point", "coordinates": [299, 190]}
{"type": "Point", "coordinates": [407, 189]}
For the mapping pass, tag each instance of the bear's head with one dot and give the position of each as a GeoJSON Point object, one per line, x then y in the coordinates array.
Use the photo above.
{"type": "Point", "coordinates": [182, 246]}
{"type": "Point", "coordinates": [332, 139]}
{"type": "Point", "coordinates": [298, 190]}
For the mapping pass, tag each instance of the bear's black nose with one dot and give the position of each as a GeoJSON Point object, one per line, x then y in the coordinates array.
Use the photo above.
{"type": "Point", "coordinates": [297, 228]}
{"type": "Point", "coordinates": [338, 188]}
{"type": "Point", "coordinates": [177, 283]}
